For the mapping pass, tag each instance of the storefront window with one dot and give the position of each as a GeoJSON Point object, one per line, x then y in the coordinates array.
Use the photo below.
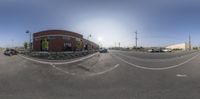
{"type": "Point", "coordinates": [78, 39]}
{"type": "Point", "coordinates": [66, 37]}
{"type": "Point", "coordinates": [67, 46]}
{"type": "Point", "coordinates": [51, 37]}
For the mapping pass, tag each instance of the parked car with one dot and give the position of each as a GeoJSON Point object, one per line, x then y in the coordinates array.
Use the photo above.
{"type": "Point", "coordinates": [10, 52]}
{"type": "Point", "coordinates": [150, 50]}
{"type": "Point", "coordinates": [166, 50]}
{"type": "Point", "coordinates": [103, 50]}
{"type": "Point", "coordinates": [157, 50]}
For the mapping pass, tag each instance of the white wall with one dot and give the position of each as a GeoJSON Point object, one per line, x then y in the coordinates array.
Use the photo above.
{"type": "Point", "coordinates": [182, 46]}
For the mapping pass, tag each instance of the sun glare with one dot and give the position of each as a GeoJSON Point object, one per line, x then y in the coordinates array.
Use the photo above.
{"type": "Point", "coordinates": [100, 39]}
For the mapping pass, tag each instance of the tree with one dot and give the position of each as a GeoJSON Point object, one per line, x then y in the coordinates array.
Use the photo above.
{"type": "Point", "coordinates": [25, 45]}
{"type": "Point", "coordinates": [45, 45]}
{"type": "Point", "coordinates": [79, 45]}
{"type": "Point", "coordinates": [195, 48]}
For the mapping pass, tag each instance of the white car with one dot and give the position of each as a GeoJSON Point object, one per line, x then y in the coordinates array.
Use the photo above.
{"type": "Point", "coordinates": [10, 52]}
{"type": "Point", "coordinates": [167, 50]}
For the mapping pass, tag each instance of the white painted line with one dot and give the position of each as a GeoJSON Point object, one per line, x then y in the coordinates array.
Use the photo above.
{"type": "Point", "coordinates": [94, 74]}
{"type": "Point", "coordinates": [59, 69]}
{"type": "Point", "coordinates": [108, 70]}
{"type": "Point", "coordinates": [62, 70]}
{"type": "Point", "coordinates": [58, 63]}
{"type": "Point", "coordinates": [163, 68]}
{"type": "Point", "coordinates": [181, 75]}
{"type": "Point", "coordinates": [156, 60]}
{"type": "Point", "coordinates": [42, 62]}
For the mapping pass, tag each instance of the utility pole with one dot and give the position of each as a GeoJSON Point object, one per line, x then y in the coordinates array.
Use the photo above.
{"type": "Point", "coordinates": [12, 46]}
{"type": "Point", "coordinates": [190, 43]}
{"type": "Point", "coordinates": [199, 47]}
{"type": "Point", "coordinates": [119, 44]}
{"type": "Point", "coordinates": [136, 38]}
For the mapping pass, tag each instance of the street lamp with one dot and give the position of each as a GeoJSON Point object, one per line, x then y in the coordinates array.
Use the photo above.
{"type": "Point", "coordinates": [99, 44]}
{"type": "Point", "coordinates": [89, 36]}
{"type": "Point", "coordinates": [28, 32]}
{"type": "Point", "coordinates": [100, 41]}
{"type": "Point", "coordinates": [88, 41]}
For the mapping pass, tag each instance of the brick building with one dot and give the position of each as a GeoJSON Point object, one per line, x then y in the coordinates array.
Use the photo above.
{"type": "Point", "coordinates": [61, 40]}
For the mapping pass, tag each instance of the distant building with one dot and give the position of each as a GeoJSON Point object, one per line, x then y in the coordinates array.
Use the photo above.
{"type": "Point", "coordinates": [61, 40]}
{"type": "Point", "coordinates": [181, 46]}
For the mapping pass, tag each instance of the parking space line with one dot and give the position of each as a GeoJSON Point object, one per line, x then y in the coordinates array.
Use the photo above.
{"type": "Point", "coordinates": [94, 74]}
{"type": "Point", "coordinates": [66, 72]}
{"type": "Point", "coordinates": [108, 70]}
{"type": "Point", "coordinates": [163, 68]}
{"type": "Point", "coordinates": [181, 75]}
{"type": "Point", "coordinates": [62, 70]}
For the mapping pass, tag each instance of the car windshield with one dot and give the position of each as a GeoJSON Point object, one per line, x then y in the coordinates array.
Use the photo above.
{"type": "Point", "coordinates": [99, 49]}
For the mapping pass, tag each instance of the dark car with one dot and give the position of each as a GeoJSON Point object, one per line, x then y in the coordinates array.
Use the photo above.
{"type": "Point", "coordinates": [156, 50]}
{"type": "Point", "coordinates": [10, 52]}
{"type": "Point", "coordinates": [103, 50]}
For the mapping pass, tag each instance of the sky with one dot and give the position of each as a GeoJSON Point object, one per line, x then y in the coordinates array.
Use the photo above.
{"type": "Point", "coordinates": [158, 22]}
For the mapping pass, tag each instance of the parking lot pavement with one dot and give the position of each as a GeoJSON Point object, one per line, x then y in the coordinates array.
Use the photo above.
{"type": "Point", "coordinates": [97, 65]}
{"type": "Point", "coordinates": [147, 55]}
{"type": "Point", "coordinates": [25, 79]}
{"type": "Point", "coordinates": [154, 62]}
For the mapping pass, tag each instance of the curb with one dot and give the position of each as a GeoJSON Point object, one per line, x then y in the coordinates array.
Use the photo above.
{"type": "Point", "coordinates": [59, 63]}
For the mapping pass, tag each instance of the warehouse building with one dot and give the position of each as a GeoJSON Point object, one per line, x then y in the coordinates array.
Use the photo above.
{"type": "Point", "coordinates": [61, 40]}
{"type": "Point", "coordinates": [181, 46]}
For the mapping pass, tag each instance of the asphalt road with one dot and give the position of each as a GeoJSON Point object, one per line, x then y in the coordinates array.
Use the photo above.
{"type": "Point", "coordinates": [113, 75]}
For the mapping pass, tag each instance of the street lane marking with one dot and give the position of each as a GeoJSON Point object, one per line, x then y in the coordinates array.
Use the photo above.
{"type": "Point", "coordinates": [181, 75]}
{"type": "Point", "coordinates": [108, 70]}
{"type": "Point", "coordinates": [157, 60]}
{"type": "Point", "coordinates": [163, 68]}
{"type": "Point", "coordinates": [58, 63]}
{"type": "Point", "coordinates": [62, 70]}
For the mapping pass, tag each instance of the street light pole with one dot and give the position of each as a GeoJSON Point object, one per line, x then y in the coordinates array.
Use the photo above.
{"type": "Point", "coordinates": [89, 37]}
{"type": "Point", "coordinates": [100, 45]}
{"type": "Point", "coordinates": [30, 40]}
{"type": "Point", "coordinates": [88, 41]}
{"type": "Point", "coordinates": [136, 38]}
